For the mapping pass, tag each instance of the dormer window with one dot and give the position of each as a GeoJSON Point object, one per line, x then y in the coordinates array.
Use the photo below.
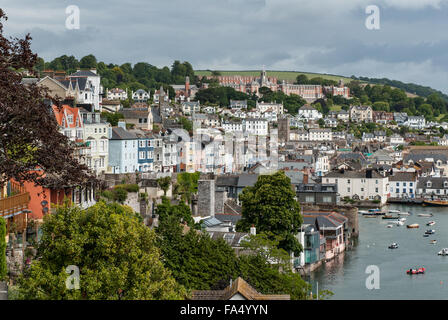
{"type": "Point", "coordinates": [445, 184]}
{"type": "Point", "coordinates": [70, 119]}
{"type": "Point", "coordinates": [428, 184]}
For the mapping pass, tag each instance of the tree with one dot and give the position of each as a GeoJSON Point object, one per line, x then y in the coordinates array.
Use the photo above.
{"type": "Point", "coordinates": [271, 207]}
{"type": "Point", "coordinates": [180, 212]}
{"type": "Point", "coordinates": [164, 184]}
{"type": "Point", "coordinates": [195, 260]}
{"type": "Point", "coordinates": [3, 269]}
{"type": "Point", "coordinates": [88, 62]}
{"type": "Point", "coordinates": [112, 118]}
{"type": "Point", "coordinates": [31, 146]}
{"type": "Point", "coordinates": [187, 184]}
{"type": "Point", "coordinates": [115, 253]}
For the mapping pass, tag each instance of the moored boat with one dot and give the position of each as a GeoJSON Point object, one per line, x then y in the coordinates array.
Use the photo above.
{"type": "Point", "coordinates": [391, 217]}
{"type": "Point", "coordinates": [394, 211]}
{"type": "Point", "coordinates": [433, 241]}
{"type": "Point", "coordinates": [443, 252]}
{"type": "Point", "coordinates": [416, 271]}
{"type": "Point", "coordinates": [393, 246]}
{"type": "Point", "coordinates": [390, 226]}
{"type": "Point", "coordinates": [439, 203]}
{"type": "Point", "coordinates": [425, 215]}
{"type": "Point", "coordinates": [413, 226]}
{"type": "Point", "coordinates": [431, 231]}
{"type": "Point", "coordinates": [431, 223]}
{"type": "Point", "coordinates": [404, 213]}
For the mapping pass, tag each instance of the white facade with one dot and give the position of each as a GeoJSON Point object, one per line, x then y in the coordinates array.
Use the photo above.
{"type": "Point", "coordinates": [356, 185]}
{"type": "Point", "coordinates": [309, 113]}
{"type": "Point", "coordinates": [320, 135]}
{"type": "Point", "coordinates": [265, 106]}
{"type": "Point", "coordinates": [117, 94]}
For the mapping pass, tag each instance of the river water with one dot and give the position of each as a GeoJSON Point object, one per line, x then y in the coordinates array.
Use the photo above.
{"type": "Point", "coordinates": [346, 275]}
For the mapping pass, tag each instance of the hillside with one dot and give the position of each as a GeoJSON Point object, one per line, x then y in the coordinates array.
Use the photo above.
{"type": "Point", "coordinates": [289, 76]}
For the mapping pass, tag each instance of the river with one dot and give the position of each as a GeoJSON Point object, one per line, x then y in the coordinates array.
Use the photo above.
{"type": "Point", "coordinates": [346, 275]}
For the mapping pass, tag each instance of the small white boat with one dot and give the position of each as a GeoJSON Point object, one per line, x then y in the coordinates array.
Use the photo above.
{"type": "Point", "coordinates": [393, 246]}
{"type": "Point", "coordinates": [402, 219]}
{"type": "Point", "coordinates": [433, 241]}
{"type": "Point", "coordinates": [425, 214]}
{"type": "Point", "coordinates": [430, 231]}
{"type": "Point", "coordinates": [362, 211]}
{"type": "Point", "coordinates": [404, 214]}
{"type": "Point", "coordinates": [443, 252]}
{"type": "Point", "coordinates": [390, 226]}
{"type": "Point", "coordinates": [431, 223]}
{"type": "Point", "coordinates": [394, 211]}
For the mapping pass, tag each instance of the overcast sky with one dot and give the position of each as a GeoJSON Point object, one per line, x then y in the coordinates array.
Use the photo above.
{"type": "Point", "coordinates": [326, 36]}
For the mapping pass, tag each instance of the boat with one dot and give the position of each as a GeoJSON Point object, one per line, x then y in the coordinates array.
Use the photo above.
{"type": "Point", "coordinates": [374, 210]}
{"type": "Point", "coordinates": [438, 203]}
{"type": "Point", "coordinates": [426, 235]}
{"type": "Point", "coordinates": [363, 211]}
{"type": "Point", "coordinates": [397, 222]}
{"type": "Point", "coordinates": [402, 219]}
{"type": "Point", "coordinates": [391, 217]}
{"type": "Point", "coordinates": [393, 246]}
{"type": "Point", "coordinates": [412, 226]}
{"type": "Point", "coordinates": [404, 214]}
{"type": "Point", "coordinates": [443, 252]}
{"type": "Point", "coordinates": [394, 211]}
{"type": "Point", "coordinates": [425, 215]}
{"type": "Point", "coordinates": [431, 223]}
{"type": "Point", "coordinates": [433, 241]}
{"type": "Point", "coordinates": [416, 271]}
{"type": "Point", "coordinates": [390, 226]}
{"type": "Point", "coordinates": [431, 231]}
{"type": "Point", "coordinates": [370, 215]}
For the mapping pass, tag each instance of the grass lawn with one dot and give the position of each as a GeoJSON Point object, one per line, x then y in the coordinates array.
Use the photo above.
{"type": "Point", "coordinates": [289, 76]}
{"type": "Point", "coordinates": [335, 108]}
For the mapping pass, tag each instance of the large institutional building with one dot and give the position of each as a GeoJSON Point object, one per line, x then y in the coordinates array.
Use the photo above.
{"type": "Point", "coordinates": [252, 84]}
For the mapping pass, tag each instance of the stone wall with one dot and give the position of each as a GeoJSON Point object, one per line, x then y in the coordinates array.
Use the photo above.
{"type": "Point", "coordinates": [206, 198]}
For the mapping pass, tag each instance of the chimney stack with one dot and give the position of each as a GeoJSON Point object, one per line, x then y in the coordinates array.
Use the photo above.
{"type": "Point", "coordinates": [253, 230]}
{"type": "Point", "coordinates": [305, 178]}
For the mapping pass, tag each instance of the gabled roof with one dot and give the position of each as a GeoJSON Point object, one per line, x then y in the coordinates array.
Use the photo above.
{"type": "Point", "coordinates": [84, 73]}
{"type": "Point", "coordinates": [239, 286]}
{"type": "Point", "coordinates": [119, 133]}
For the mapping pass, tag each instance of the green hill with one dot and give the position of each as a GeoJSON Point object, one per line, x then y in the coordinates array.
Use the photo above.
{"type": "Point", "coordinates": [289, 76]}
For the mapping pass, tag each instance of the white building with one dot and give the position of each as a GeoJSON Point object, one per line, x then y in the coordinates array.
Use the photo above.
{"type": "Point", "coordinates": [415, 122]}
{"type": "Point", "coordinates": [140, 95]}
{"type": "Point", "coordinates": [396, 140]}
{"type": "Point", "coordinates": [360, 185]}
{"type": "Point", "coordinates": [266, 106]}
{"type": "Point", "coordinates": [403, 185]}
{"type": "Point", "coordinates": [320, 135]}
{"type": "Point", "coordinates": [89, 87]}
{"type": "Point", "coordinates": [117, 94]}
{"type": "Point", "coordinates": [257, 127]}
{"type": "Point", "coordinates": [307, 112]}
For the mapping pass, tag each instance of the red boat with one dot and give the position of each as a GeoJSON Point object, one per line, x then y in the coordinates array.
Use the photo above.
{"type": "Point", "coordinates": [416, 271]}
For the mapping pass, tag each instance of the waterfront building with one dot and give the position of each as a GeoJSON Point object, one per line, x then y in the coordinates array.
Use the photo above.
{"type": "Point", "coordinates": [403, 185]}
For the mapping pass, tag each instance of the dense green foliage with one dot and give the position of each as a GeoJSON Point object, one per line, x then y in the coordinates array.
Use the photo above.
{"type": "Point", "coordinates": [201, 263]}
{"type": "Point", "coordinates": [116, 255]}
{"type": "Point", "coordinates": [187, 184]}
{"type": "Point", "coordinates": [181, 212]}
{"type": "Point", "coordinates": [383, 97]}
{"type": "Point", "coordinates": [221, 96]}
{"type": "Point", "coordinates": [270, 206]}
{"type": "Point", "coordinates": [3, 268]}
{"type": "Point", "coordinates": [112, 118]}
{"type": "Point", "coordinates": [303, 79]}
{"type": "Point", "coordinates": [164, 183]}
{"type": "Point", "coordinates": [291, 103]}
{"type": "Point", "coordinates": [422, 91]}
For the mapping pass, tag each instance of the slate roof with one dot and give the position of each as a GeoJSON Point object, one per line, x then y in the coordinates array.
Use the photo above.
{"type": "Point", "coordinates": [233, 218]}
{"type": "Point", "coordinates": [403, 176]}
{"type": "Point", "coordinates": [324, 220]}
{"type": "Point", "coordinates": [238, 286]}
{"type": "Point", "coordinates": [134, 113]}
{"type": "Point", "coordinates": [119, 133]}
{"type": "Point", "coordinates": [84, 73]}
{"type": "Point", "coordinates": [437, 183]}
{"type": "Point", "coordinates": [353, 174]}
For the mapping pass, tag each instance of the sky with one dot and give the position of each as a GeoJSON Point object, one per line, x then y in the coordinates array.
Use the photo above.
{"type": "Point", "coordinates": [323, 36]}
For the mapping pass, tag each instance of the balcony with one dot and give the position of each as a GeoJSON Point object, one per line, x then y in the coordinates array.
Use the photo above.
{"type": "Point", "coordinates": [14, 202]}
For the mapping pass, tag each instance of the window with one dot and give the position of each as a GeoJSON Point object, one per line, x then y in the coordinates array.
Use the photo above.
{"type": "Point", "coordinates": [309, 199]}
{"type": "Point", "coordinates": [397, 190]}
{"type": "Point", "coordinates": [70, 119]}
{"type": "Point", "coordinates": [348, 189]}
{"type": "Point", "coordinates": [362, 189]}
{"type": "Point", "coordinates": [411, 184]}
{"type": "Point", "coordinates": [141, 155]}
{"type": "Point", "coordinates": [326, 199]}
{"type": "Point", "coordinates": [376, 190]}
{"type": "Point", "coordinates": [404, 184]}
{"type": "Point", "coordinates": [141, 143]}
{"type": "Point", "coordinates": [411, 191]}
{"type": "Point", "coordinates": [398, 184]}
{"type": "Point", "coordinates": [404, 190]}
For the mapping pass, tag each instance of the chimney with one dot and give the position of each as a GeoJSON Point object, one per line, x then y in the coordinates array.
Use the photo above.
{"type": "Point", "coordinates": [369, 173]}
{"type": "Point", "coordinates": [253, 230]}
{"type": "Point", "coordinates": [122, 124]}
{"type": "Point", "coordinates": [305, 178]}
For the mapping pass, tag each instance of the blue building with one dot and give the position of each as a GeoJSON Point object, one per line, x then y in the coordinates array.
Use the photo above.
{"type": "Point", "coordinates": [145, 151]}
{"type": "Point", "coordinates": [123, 150]}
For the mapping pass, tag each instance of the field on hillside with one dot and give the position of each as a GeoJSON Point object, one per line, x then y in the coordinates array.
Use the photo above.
{"type": "Point", "coordinates": [289, 76]}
